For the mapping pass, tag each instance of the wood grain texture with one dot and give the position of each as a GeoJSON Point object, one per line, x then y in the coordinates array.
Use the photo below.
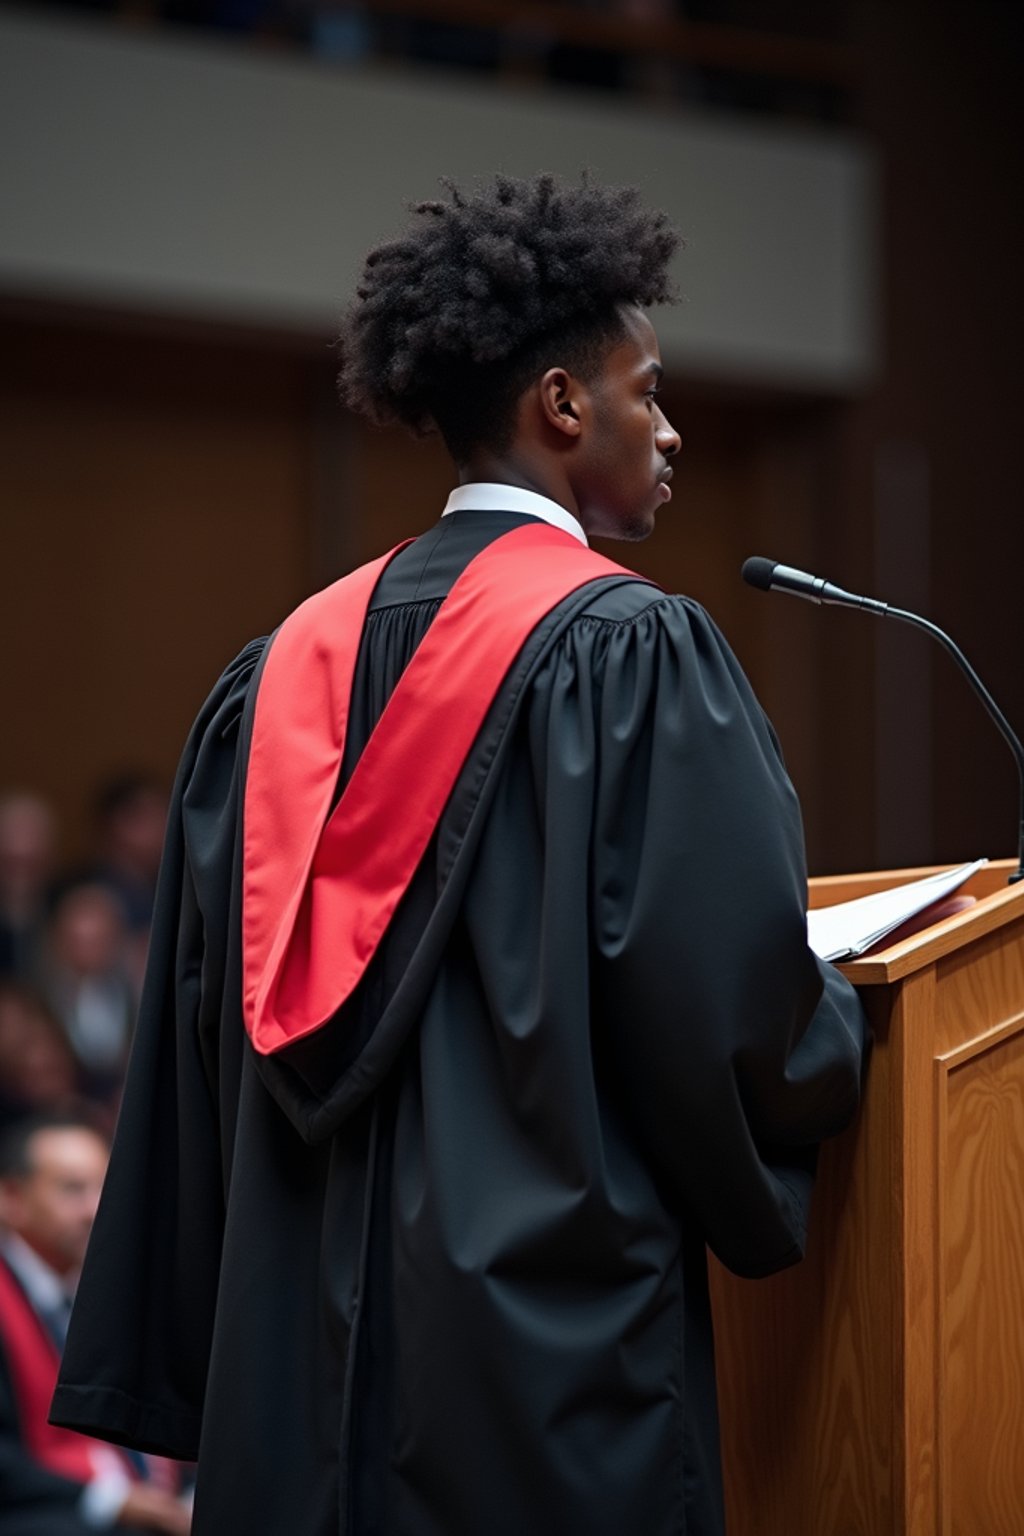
{"type": "Point", "coordinates": [982, 1344]}
{"type": "Point", "coordinates": [877, 1389]}
{"type": "Point", "coordinates": [806, 1358]}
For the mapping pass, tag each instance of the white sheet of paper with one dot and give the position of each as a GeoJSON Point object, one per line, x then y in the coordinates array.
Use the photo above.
{"type": "Point", "coordinates": [846, 930]}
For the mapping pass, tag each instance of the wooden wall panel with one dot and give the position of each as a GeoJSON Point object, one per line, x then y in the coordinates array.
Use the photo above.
{"type": "Point", "coordinates": [983, 1336]}
{"type": "Point", "coordinates": [980, 1088]}
{"type": "Point", "coordinates": [167, 494]}
{"type": "Point", "coordinates": [154, 507]}
{"type": "Point", "coordinates": [940, 93]}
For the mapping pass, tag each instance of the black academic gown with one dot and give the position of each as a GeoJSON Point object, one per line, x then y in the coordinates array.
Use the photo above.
{"type": "Point", "coordinates": [439, 1270]}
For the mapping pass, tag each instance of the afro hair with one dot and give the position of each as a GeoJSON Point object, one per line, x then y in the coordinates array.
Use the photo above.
{"type": "Point", "coordinates": [487, 290]}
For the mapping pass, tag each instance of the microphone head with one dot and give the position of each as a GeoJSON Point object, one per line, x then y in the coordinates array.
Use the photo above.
{"type": "Point", "coordinates": [758, 572]}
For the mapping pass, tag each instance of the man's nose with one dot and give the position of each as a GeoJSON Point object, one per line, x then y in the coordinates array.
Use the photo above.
{"type": "Point", "coordinates": [667, 438]}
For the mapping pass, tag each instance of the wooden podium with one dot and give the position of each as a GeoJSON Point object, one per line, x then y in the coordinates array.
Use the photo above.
{"type": "Point", "coordinates": [877, 1389]}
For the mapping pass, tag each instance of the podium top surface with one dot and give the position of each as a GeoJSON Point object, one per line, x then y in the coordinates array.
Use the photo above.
{"type": "Point", "coordinates": [996, 904]}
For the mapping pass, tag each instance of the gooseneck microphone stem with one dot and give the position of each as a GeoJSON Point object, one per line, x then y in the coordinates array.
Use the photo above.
{"type": "Point", "coordinates": [990, 704]}
{"type": "Point", "coordinates": [770, 576]}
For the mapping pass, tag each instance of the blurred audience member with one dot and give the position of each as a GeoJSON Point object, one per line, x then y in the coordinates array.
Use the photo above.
{"type": "Point", "coordinates": [37, 1066]}
{"type": "Point", "coordinates": [56, 1482]}
{"type": "Point", "coordinates": [131, 817]}
{"type": "Point", "coordinates": [27, 845]}
{"type": "Point", "coordinates": [86, 982]}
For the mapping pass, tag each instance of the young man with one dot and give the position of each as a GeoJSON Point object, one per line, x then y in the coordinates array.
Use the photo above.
{"type": "Point", "coordinates": [442, 1086]}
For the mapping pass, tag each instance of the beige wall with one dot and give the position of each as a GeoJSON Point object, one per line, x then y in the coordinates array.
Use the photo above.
{"type": "Point", "coordinates": [170, 172]}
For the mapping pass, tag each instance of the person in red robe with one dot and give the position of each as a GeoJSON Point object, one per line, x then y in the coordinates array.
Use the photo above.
{"type": "Point", "coordinates": [54, 1482]}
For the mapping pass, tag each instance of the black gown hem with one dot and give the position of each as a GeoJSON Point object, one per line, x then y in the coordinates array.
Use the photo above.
{"type": "Point", "coordinates": [109, 1414]}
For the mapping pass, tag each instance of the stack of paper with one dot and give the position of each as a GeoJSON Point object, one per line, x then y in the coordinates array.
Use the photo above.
{"type": "Point", "coordinates": [845, 931]}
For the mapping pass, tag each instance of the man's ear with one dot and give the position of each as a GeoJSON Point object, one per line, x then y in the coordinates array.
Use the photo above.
{"type": "Point", "coordinates": [560, 399]}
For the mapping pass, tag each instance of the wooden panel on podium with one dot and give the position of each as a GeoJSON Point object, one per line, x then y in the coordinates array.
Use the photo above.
{"type": "Point", "coordinates": [877, 1389]}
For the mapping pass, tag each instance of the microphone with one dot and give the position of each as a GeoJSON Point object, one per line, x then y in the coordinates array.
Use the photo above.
{"type": "Point", "coordinates": [771, 576]}
{"type": "Point", "coordinates": [768, 575]}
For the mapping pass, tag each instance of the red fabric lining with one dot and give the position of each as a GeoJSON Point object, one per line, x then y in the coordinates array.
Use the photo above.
{"type": "Point", "coordinates": [33, 1361]}
{"type": "Point", "coordinates": [306, 876]}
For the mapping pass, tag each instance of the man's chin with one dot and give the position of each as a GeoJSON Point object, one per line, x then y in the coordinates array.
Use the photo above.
{"type": "Point", "coordinates": [624, 527]}
{"type": "Point", "coordinates": [642, 528]}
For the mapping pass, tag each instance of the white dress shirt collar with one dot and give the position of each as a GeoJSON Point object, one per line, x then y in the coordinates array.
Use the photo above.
{"type": "Point", "coordinates": [42, 1285]}
{"type": "Point", "coordinates": [483, 496]}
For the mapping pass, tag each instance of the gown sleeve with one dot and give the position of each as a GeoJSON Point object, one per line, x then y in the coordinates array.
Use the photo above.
{"type": "Point", "coordinates": [733, 1048]}
{"type": "Point", "coordinates": [134, 1368]}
